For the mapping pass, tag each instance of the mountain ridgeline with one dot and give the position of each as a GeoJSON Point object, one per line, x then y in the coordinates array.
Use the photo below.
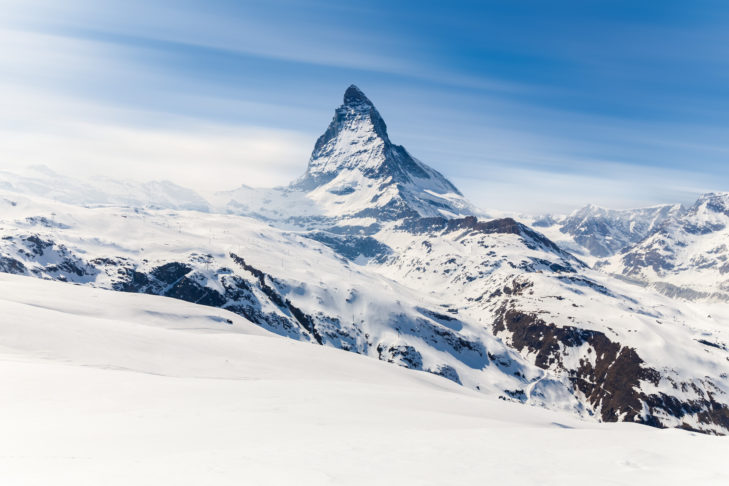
{"type": "Point", "coordinates": [373, 252]}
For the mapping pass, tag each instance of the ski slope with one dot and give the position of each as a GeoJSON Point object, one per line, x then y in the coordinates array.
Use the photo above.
{"type": "Point", "coordinates": [112, 388]}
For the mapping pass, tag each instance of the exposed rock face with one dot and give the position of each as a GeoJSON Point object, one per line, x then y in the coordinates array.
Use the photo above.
{"type": "Point", "coordinates": [406, 356]}
{"type": "Point", "coordinates": [610, 375]}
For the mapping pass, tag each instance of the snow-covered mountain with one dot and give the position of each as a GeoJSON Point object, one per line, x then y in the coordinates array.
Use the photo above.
{"type": "Point", "coordinates": [373, 252]}
{"type": "Point", "coordinates": [355, 176]}
{"type": "Point", "coordinates": [678, 251]}
{"type": "Point", "coordinates": [687, 256]}
{"type": "Point", "coordinates": [598, 232]}
{"type": "Point", "coordinates": [355, 170]}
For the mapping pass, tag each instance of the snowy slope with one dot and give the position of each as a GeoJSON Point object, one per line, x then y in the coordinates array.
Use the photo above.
{"type": "Point", "coordinates": [686, 257]}
{"type": "Point", "coordinates": [110, 388]}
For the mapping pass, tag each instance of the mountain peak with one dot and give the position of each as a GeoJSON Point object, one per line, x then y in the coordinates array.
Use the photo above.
{"type": "Point", "coordinates": [356, 140]}
{"type": "Point", "coordinates": [355, 96]}
{"type": "Point", "coordinates": [354, 163]}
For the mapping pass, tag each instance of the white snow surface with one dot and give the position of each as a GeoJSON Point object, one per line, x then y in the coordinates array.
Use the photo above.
{"type": "Point", "coordinates": [110, 388]}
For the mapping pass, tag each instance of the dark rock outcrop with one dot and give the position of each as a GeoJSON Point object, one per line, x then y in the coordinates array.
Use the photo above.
{"type": "Point", "coordinates": [609, 375]}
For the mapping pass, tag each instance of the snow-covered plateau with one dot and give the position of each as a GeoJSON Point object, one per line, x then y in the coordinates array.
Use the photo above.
{"type": "Point", "coordinates": [374, 253]}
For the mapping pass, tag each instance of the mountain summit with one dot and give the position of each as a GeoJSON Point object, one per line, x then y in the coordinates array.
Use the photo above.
{"type": "Point", "coordinates": [355, 170]}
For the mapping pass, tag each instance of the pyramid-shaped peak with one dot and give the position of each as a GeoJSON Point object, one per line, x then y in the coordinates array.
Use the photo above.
{"type": "Point", "coordinates": [355, 169]}
{"type": "Point", "coordinates": [356, 122]}
{"type": "Point", "coordinates": [355, 96]}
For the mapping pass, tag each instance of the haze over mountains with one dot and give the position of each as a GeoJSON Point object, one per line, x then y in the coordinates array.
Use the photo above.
{"type": "Point", "coordinates": [373, 252]}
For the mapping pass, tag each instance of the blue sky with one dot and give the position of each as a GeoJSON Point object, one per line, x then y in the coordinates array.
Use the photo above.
{"type": "Point", "coordinates": [525, 105]}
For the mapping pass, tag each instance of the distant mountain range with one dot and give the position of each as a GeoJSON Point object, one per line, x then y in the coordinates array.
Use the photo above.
{"type": "Point", "coordinates": [373, 252]}
{"type": "Point", "coordinates": [601, 233]}
{"type": "Point", "coordinates": [686, 256]}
